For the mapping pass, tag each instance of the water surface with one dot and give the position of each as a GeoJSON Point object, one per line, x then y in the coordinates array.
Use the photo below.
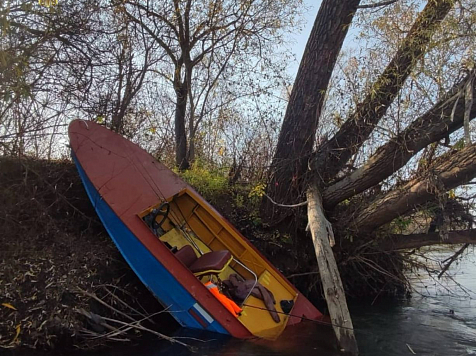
{"type": "Point", "coordinates": [439, 319]}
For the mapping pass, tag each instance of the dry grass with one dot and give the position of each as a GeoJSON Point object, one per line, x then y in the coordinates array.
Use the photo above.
{"type": "Point", "coordinates": [52, 246]}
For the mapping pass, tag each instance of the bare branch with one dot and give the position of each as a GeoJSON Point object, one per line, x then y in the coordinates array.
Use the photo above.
{"type": "Point", "coordinates": [379, 4]}
{"type": "Point", "coordinates": [452, 259]}
{"type": "Point", "coordinates": [403, 242]}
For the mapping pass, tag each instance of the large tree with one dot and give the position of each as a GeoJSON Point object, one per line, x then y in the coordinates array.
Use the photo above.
{"type": "Point", "coordinates": [355, 194]}
{"type": "Point", "coordinates": [201, 40]}
{"type": "Point", "coordinates": [299, 161]}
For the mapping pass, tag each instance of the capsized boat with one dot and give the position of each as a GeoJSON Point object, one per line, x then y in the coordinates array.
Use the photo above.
{"type": "Point", "coordinates": [176, 242]}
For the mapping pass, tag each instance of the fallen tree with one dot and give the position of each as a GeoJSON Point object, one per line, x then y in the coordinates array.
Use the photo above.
{"type": "Point", "coordinates": [352, 197]}
{"type": "Point", "coordinates": [405, 242]}
{"type": "Point", "coordinates": [449, 171]}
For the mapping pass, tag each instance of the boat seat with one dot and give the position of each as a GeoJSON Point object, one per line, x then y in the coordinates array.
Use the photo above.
{"type": "Point", "coordinates": [213, 262]}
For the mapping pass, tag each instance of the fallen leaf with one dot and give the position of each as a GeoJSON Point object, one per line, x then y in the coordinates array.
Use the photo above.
{"type": "Point", "coordinates": [18, 329]}
{"type": "Point", "coordinates": [8, 305]}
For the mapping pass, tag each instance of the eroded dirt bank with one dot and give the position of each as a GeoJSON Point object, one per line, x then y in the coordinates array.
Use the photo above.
{"type": "Point", "coordinates": [55, 256]}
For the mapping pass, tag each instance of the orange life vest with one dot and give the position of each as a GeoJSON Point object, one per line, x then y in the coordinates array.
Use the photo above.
{"type": "Point", "coordinates": [229, 304]}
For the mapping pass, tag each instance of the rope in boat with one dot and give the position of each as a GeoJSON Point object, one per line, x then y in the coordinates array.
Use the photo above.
{"type": "Point", "coordinates": [164, 198]}
{"type": "Point", "coordinates": [361, 330]}
{"type": "Point", "coordinates": [161, 196]}
{"type": "Point", "coordinates": [158, 193]}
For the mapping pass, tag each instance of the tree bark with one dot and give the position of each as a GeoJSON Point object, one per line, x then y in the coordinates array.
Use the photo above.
{"type": "Point", "coordinates": [447, 172]}
{"type": "Point", "coordinates": [436, 124]}
{"type": "Point", "coordinates": [334, 154]}
{"type": "Point", "coordinates": [297, 135]}
{"type": "Point", "coordinates": [329, 273]}
{"type": "Point", "coordinates": [468, 98]}
{"type": "Point", "coordinates": [180, 134]}
{"type": "Point", "coordinates": [181, 94]}
{"type": "Point", "coordinates": [402, 242]}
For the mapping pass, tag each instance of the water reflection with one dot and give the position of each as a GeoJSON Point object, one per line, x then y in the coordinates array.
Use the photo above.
{"type": "Point", "coordinates": [440, 318]}
{"type": "Point", "coordinates": [304, 339]}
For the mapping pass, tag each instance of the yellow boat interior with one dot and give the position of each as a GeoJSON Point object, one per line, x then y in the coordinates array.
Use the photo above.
{"type": "Point", "coordinates": [185, 223]}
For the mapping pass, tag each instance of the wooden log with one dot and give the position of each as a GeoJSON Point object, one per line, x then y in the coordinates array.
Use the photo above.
{"type": "Point", "coordinates": [321, 229]}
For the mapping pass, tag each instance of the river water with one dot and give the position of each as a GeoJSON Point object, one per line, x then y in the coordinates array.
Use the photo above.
{"type": "Point", "coordinates": [439, 319]}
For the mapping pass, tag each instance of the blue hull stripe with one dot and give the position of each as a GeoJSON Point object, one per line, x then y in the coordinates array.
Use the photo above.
{"type": "Point", "coordinates": [151, 272]}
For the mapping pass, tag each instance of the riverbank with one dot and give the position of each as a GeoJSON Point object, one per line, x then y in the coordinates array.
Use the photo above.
{"type": "Point", "coordinates": [57, 262]}
{"type": "Point", "coordinates": [60, 271]}
{"type": "Point", "coordinates": [55, 258]}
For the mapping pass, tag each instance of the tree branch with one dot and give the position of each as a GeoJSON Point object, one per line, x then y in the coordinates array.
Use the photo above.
{"type": "Point", "coordinates": [452, 259]}
{"type": "Point", "coordinates": [379, 4]}
{"type": "Point", "coordinates": [162, 44]}
{"type": "Point", "coordinates": [447, 172]}
{"type": "Point", "coordinates": [402, 242]}
{"type": "Point", "coordinates": [434, 125]}
{"type": "Point", "coordinates": [155, 14]}
{"type": "Point", "coordinates": [178, 16]}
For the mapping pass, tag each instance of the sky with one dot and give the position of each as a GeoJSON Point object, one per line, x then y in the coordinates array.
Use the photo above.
{"type": "Point", "coordinates": [300, 39]}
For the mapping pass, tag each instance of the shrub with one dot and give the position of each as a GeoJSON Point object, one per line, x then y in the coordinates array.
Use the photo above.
{"type": "Point", "coordinates": [209, 182]}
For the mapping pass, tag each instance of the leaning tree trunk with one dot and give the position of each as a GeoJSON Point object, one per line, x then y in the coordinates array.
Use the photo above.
{"type": "Point", "coordinates": [405, 242]}
{"type": "Point", "coordinates": [330, 278]}
{"type": "Point", "coordinates": [444, 118]}
{"type": "Point", "coordinates": [335, 153]}
{"type": "Point", "coordinates": [296, 139]}
{"type": "Point", "coordinates": [449, 171]}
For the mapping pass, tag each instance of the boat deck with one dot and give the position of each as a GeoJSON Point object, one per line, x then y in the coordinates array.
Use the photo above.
{"type": "Point", "coordinates": [194, 224]}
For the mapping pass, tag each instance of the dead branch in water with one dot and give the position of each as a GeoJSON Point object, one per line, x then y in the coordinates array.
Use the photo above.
{"type": "Point", "coordinates": [452, 259]}
{"type": "Point", "coordinates": [114, 332]}
{"type": "Point", "coordinates": [115, 297]}
{"type": "Point", "coordinates": [92, 295]}
{"type": "Point", "coordinates": [125, 327]}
